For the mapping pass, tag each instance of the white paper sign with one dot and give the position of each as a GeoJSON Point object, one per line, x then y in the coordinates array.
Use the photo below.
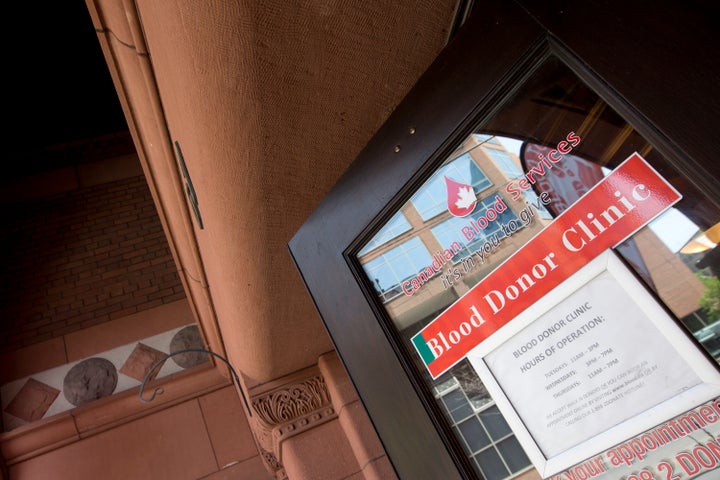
{"type": "Point", "coordinates": [594, 362]}
{"type": "Point", "coordinates": [589, 363]}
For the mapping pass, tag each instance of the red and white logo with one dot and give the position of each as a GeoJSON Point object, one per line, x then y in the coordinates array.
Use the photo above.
{"type": "Point", "coordinates": [461, 198]}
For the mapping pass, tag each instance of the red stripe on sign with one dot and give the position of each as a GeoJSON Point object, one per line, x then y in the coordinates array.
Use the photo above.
{"type": "Point", "coordinates": [619, 205]}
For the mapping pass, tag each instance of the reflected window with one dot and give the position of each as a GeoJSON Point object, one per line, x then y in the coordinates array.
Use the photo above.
{"type": "Point", "coordinates": [431, 199]}
{"type": "Point", "coordinates": [484, 434]}
{"type": "Point", "coordinates": [505, 162]}
{"type": "Point", "coordinates": [451, 230]}
{"type": "Point", "coordinates": [397, 225]}
{"type": "Point", "coordinates": [390, 269]}
{"type": "Point", "coordinates": [482, 138]}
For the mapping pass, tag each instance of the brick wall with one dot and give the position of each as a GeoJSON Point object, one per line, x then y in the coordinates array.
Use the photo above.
{"type": "Point", "coordinates": [80, 258]}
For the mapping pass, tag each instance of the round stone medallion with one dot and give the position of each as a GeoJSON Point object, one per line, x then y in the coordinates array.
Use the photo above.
{"type": "Point", "coordinates": [89, 380]}
{"type": "Point", "coordinates": [188, 337]}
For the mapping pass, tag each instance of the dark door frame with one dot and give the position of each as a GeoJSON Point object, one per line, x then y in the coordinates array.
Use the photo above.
{"type": "Point", "coordinates": [657, 66]}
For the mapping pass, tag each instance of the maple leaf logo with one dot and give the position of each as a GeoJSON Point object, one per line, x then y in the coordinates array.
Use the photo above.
{"type": "Point", "coordinates": [466, 198]}
{"type": "Point", "coordinates": [461, 199]}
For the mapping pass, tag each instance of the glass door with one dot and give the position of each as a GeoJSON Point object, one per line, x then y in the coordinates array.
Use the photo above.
{"type": "Point", "coordinates": [547, 145]}
{"type": "Point", "coordinates": [517, 120]}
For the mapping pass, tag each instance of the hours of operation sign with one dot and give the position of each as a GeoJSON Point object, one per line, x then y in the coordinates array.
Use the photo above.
{"type": "Point", "coordinates": [589, 363]}
{"type": "Point", "coordinates": [594, 362]}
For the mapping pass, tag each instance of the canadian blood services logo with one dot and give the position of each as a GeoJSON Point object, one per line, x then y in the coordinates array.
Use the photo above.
{"type": "Point", "coordinates": [461, 198]}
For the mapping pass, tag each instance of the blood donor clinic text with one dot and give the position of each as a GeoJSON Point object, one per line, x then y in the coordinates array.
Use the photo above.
{"type": "Point", "coordinates": [623, 202]}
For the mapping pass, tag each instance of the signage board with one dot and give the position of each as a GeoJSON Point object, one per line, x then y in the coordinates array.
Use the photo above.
{"type": "Point", "coordinates": [615, 208]}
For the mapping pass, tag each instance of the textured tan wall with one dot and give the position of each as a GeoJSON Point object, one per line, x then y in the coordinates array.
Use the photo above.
{"type": "Point", "coordinates": [270, 102]}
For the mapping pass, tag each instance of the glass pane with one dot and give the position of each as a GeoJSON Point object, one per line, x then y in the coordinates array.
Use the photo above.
{"type": "Point", "coordinates": [478, 471]}
{"type": "Point", "coordinates": [494, 422]}
{"type": "Point", "coordinates": [491, 464]}
{"type": "Point", "coordinates": [464, 445]}
{"type": "Point", "coordinates": [513, 454]}
{"type": "Point", "coordinates": [401, 264]}
{"type": "Point", "coordinates": [546, 146]}
{"type": "Point", "coordinates": [474, 435]}
{"type": "Point", "coordinates": [431, 200]}
{"type": "Point", "coordinates": [457, 405]}
{"type": "Point", "coordinates": [397, 225]}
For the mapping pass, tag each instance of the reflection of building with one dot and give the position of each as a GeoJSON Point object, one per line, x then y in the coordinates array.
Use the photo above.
{"type": "Point", "coordinates": [424, 229]}
{"type": "Point", "coordinates": [412, 240]}
{"type": "Point", "coordinates": [423, 232]}
{"type": "Point", "coordinates": [675, 283]}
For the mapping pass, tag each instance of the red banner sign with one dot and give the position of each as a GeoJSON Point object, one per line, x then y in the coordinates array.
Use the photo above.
{"type": "Point", "coordinates": [615, 208]}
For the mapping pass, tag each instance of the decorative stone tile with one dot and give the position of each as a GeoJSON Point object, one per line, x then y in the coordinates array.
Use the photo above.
{"type": "Point", "coordinates": [188, 338]}
{"type": "Point", "coordinates": [140, 361]}
{"type": "Point", "coordinates": [90, 380]}
{"type": "Point", "coordinates": [32, 401]}
{"type": "Point", "coordinates": [95, 377]}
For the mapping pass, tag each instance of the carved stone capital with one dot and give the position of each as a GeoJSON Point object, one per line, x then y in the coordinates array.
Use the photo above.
{"type": "Point", "coordinates": [285, 408]}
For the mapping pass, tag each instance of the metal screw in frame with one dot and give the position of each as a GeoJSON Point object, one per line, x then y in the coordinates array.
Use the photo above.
{"type": "Point", "coordinates": [398, 147]}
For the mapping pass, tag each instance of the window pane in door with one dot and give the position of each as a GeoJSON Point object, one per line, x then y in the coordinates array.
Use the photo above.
{"type": "Point", "coordinates": [440, 255]}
